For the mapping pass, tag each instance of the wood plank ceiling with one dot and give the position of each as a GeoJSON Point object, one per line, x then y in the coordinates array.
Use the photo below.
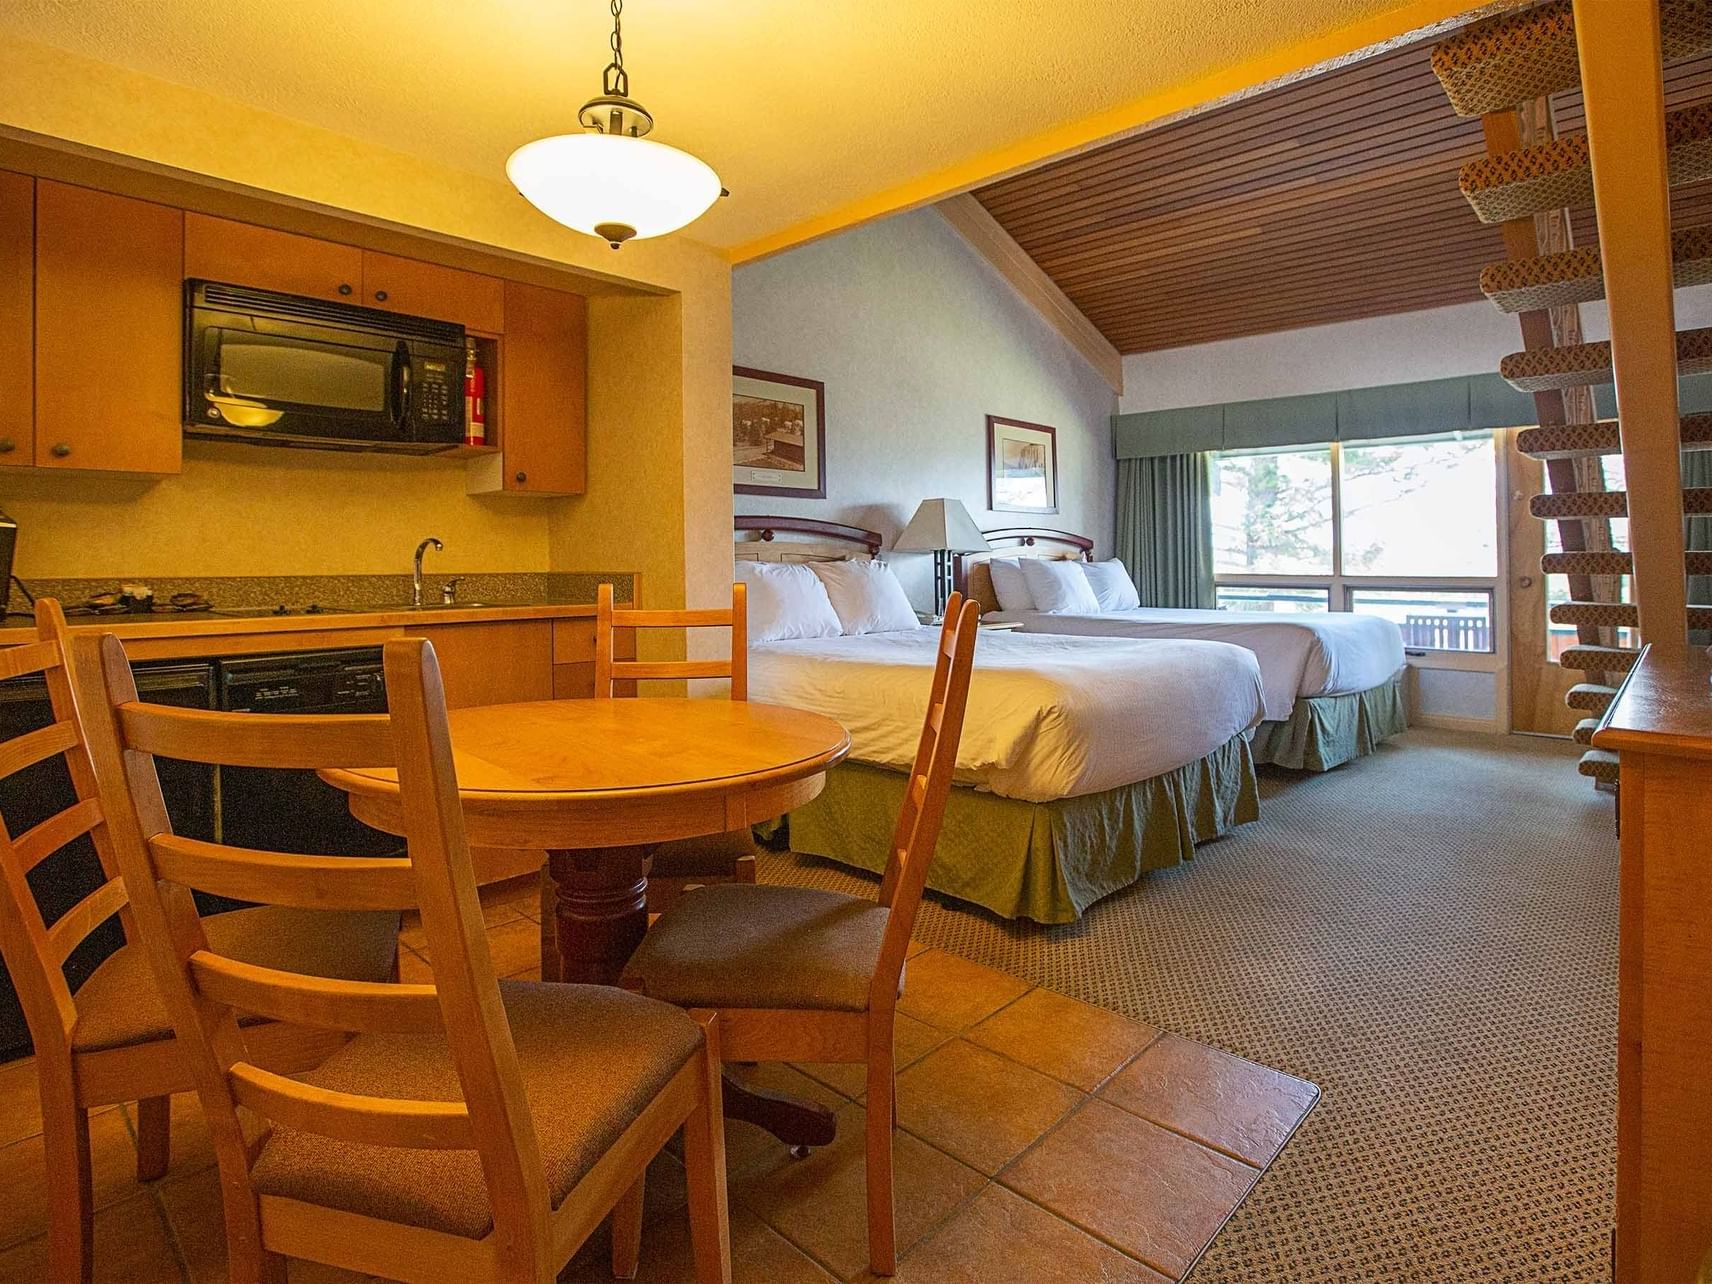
{"type": "Point", "coordinates": [1327, 200]}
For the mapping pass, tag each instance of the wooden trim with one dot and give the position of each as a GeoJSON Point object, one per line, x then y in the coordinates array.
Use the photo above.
{"type": "Point", "coordinates": [1022, 537]}
{"type": "Point", "coordinates": [769, 526]}
{"type": "Point", "coordinates": [1052, 435]}
{"type": "Point", "coordinates": [819, 390]}
{"type": "Point", "coordinates": [1620, 56]}
{"type": "Point", "coordinates": [984, 235]}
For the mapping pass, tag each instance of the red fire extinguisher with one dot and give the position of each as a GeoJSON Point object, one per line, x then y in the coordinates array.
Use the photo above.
{"type": "Point", "coordinates": [475, 400]}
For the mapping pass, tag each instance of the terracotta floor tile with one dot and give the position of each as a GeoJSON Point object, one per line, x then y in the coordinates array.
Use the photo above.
{"type": "Point", "coordinates": [1001, 1236]}
{"type": "Point", "coordinates": [1158, 1196]}
{"type": "Point", "coordinates": [953, 993]}
{"type": "Point", "coordinates": [20, 1103]}
{"type": "Point", "coordinates": [192, 1150]}
{"type": "Point", "coordinates": [915, 947]}
{"type": "Point", "coordinates": [978, 1106]}
{"type": "Point", "coordinates": [820, 1205]}
{"type": "Point", "coordinates": [1239, 1107]}
{"type": "Point", "coordinates": [193, 1207]}
{"type": "Point", "coordinates": [514, 944]}
{"type": "Point", "coordinates": [759, 1255]}
{"type": "Point", "coordinates": [23, 1192]}
{"type": "Point", "coordinates": [748, 1149]}
{"type": "Point", "coordinates": [131, 1247]}
{"type": "Point", "coordinates": [413, 969]}
{"type": "Point", "coordinates": [1072, 1041]}
{"type": "Point", "coordinates": [911, 1041]}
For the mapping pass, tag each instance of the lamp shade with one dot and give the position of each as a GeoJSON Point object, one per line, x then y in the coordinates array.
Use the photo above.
{"type": "Point", "coordinates": [611, 185]}
{"type": "Point", "coordinates": [942, 524]}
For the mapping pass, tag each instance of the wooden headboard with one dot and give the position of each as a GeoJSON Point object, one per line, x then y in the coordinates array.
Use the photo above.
{"type": "Point", "coordinates": [757, 540]}
{"type": "Point", "coordinates": [974, 579]}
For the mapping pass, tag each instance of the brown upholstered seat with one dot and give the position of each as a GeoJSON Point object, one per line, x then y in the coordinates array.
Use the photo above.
{"type": "Point", "coordinates": [591, 1057]}
{"type": "Point", "coordinates": [120, 1006]}
{"type": "Point", "coordinates": [763, 947]}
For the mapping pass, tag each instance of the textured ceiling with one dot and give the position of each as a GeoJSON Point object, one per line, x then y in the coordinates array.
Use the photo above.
{"type": "Point", "coordinates": [802, 107]}
{"type": "Point", "coordinates": [1326, 200]}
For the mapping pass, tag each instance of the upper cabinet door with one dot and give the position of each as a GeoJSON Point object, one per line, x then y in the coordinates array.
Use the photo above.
{"type": "Point", "coordinates": [17, 319]}
{"type": "Point", "coordinates": [217, 249]}
{"type": "Point", "coordinates": [543, 388]}
{"type": "Point", "coordinates": [470, 299]}
{"type": "Point", "coordinates": [109, 325]}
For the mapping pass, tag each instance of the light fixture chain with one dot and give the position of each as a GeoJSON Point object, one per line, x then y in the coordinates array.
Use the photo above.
{"type": "Point", "coordinates": [617, 80]}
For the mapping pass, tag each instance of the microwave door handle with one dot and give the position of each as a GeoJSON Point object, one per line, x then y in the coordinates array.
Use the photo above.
{"type": "Point", "coordinates": [401, 385]}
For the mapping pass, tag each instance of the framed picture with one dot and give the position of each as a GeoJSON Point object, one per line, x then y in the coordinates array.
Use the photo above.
{"type": "Point", "coordinates": [778, 434]}
{"type": "Point", "coordinates": [1022, 466]}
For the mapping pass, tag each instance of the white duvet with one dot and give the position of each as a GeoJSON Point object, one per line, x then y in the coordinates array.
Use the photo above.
{"type": "Point", "coordinates": [1049, 717]}
{"type": "Point", "coordinates": [1324, 653]}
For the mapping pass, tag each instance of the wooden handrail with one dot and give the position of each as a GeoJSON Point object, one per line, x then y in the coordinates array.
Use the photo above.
{"type": "Point", "coordinates": [768, 526]}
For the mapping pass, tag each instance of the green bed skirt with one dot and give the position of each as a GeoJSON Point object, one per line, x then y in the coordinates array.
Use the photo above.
{"type": "Point", "coordinates": [1042, 861]}
{"type": "Point", "coordinates": [1327, 731]}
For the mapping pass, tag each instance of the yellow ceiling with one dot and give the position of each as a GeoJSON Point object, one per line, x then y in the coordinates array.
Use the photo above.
{"type": "Point", "coordinates": [816, 113]}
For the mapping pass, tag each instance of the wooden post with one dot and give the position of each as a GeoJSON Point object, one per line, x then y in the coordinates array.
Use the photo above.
{"type": "Point", "coordinates": [1622, 81]}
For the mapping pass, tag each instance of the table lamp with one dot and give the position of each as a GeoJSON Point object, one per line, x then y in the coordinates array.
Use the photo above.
{"type": "Point", "coordinates": [942, 527]}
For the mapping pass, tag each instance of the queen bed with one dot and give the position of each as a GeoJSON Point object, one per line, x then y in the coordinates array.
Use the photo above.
{"type": "Point", "coordinates": [1084, 763]}
{"type": "Point", "coordinates": [1331, 680]}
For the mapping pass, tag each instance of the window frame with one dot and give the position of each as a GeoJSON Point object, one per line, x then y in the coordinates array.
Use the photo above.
{"type": "Point", "coordinates": [1339, 587]}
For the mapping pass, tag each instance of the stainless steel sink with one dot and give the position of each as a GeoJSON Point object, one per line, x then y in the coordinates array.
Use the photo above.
{"type": "Point", "coordinates": [426, 606]}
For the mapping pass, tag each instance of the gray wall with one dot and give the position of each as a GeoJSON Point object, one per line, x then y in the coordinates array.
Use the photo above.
{"type": "Point", "coordinates": [918, 340]}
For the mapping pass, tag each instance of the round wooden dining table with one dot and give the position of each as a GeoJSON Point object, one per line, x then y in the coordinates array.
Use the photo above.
{"type": "Point", "coordinates": [597, 784]}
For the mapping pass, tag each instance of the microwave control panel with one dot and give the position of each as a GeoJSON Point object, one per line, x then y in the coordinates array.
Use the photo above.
{"type": "Point", "coordinates": [434, 403]}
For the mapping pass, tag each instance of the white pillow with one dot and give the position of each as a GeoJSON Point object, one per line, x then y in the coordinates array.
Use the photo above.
{"type": "Point", "coordinates": [786, 600]}
{"type": "Point", "coordinates": [1008, 584]}
{"type": "Point", "coordinates": [1059, 587]}
{"type": "Point", "coordinates": [1112, 585]}
{"type": "Point", "coordinates": [866, 597]}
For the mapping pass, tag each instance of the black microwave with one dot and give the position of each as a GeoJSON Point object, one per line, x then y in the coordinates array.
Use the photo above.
{"type": "Point", "coordinates": [293, 371]}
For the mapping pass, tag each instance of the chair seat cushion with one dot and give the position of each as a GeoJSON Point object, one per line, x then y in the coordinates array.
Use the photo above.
{"type": "Point", "coordinates": [741, 946]}
{"type": "Point", "coordinates": [119, 1006]}
{"type": "Point", "coordinates": [592, 1058]}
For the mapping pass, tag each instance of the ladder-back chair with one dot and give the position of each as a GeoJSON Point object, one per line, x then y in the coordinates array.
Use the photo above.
{"type": "Point", "coordinates": [470, 1130]}
{"type": "Point", "coordinates": [803, 975]}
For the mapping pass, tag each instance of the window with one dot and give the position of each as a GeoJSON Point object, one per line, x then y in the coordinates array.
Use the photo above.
{"type": "Point", "coordinates": [1406, 529]}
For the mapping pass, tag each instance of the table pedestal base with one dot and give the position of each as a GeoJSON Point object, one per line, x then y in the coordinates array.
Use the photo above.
{"type": "Point", "coordinates": [600, 912]}
{"type": "Point", "coordinates": [797, 1123]}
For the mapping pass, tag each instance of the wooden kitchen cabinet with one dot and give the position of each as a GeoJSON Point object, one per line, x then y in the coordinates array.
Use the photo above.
{"type": "Point", "coordinates": [493, 663]}
{"type": "Point", "coordinates": [218, 249]}
{"type": "Point", "coordinates": [17, 319]}
{"type": "Point", "coordinates": [470, 299]}
{"type": "Point", "coordinates": [543, 396]}
{"type": "Point", "coordinates": [109, 329]}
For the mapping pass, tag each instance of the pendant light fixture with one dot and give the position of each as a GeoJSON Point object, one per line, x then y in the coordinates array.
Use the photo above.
{"type": "Point", "coordinates": [609, 180]}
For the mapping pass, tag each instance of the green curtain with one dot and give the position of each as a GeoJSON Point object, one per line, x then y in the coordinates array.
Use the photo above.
{"type": "Point", "coordinates": [1165, 529]}
{"type": "Point", "coordinates": [1697, 471]}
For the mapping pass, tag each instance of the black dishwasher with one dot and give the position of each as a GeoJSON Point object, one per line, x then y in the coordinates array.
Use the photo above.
{"type": "Point", "coordinates": [42, 790]}
{"type": "Point", "coordinates": [296, 811]}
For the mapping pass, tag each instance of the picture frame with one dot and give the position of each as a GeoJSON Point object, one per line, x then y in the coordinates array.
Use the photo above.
{"type": "Point", "coordinates": [1022, 466]}
{"type": "Point", "coordinates": [778, 434]}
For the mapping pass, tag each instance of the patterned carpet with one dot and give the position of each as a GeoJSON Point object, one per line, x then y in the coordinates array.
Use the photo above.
{"type": "Point", "coordinates": [1430, 935]}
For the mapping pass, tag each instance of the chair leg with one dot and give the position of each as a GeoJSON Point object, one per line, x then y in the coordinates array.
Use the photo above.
{"type": "Point", "coordinates": [627, 1230]}
{"type": "Point", "coordinates": [71, 1202]}
{"type": "Point", "coordinates": [882, 1108]}
{"type": "Point", "coordinates": [704, 1165]}
{"type": "Point", "coordinates": [744, 870]}
{"type": "Point", "coordinates": [154, 1137]}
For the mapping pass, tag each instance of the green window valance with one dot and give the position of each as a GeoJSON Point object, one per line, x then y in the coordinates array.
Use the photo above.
{"type": "Point", "coordinates": [1467, 403]}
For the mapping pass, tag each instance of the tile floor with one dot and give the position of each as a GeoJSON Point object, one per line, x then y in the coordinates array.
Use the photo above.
{"type": "Point", "coordinates": [1041, 1140]}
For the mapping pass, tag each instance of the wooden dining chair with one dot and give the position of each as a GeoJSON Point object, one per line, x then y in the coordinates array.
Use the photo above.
{"type": "Point", "coordinates": [798, 974]}
{"type": "Point", "coordinates": [717, 858]}
{"type": "Point", "coordinates": [111, 1040]}
{"type": "Point", "coordinates": [470, 1130]}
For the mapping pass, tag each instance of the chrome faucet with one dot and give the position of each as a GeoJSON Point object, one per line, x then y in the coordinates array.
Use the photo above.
{"type": "Point", "coordinates": [416, 578]}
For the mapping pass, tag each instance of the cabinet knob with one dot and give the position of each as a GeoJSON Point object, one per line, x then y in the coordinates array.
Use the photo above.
{"type": "Point", "coordinates": [344, 287]}
{"type": "Point", "coordinates": [522, 476]}
{"type": "Point", "coordinates": [61, 449]}
{"type": "Point", "coordinates": [380, 296]}
{"type": "Point", "coordinates": [7, 445]}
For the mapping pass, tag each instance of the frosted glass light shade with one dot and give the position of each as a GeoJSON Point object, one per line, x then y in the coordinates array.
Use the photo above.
{"type": "Point", "coordinates": [595, 182]}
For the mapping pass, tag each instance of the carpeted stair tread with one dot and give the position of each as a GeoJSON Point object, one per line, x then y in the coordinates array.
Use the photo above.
{"type": "Point", "coordinates": [1505, 61]}
{"type": "Point", "coordinates": [1579, 365]}
{"type": "Point", "coordinates": [1598, 659]}
{"type": "Point", "coordinates": [1696, 500]}
{"type": "Point", "coordinates": [1599, 764]}
{"type": "Point", "coordinates": [1574, 276]}
{"type": "Point", "coordinates": [1590, 696]}
{"type": "Point", "coordinates": [1583, 733]}
{"type": "Point", "coordinates": [1611, 561]}
{"type": "Point", "coordinates": [1556, 174]}
{"type": "Point", "coordinates": [1581, 441]}
{"type": "Point", "coordinates": [1616, 615]}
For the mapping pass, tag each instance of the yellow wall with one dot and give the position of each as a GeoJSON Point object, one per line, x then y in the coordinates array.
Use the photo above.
{"type": "Point", "coordinates": [664, 396]}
